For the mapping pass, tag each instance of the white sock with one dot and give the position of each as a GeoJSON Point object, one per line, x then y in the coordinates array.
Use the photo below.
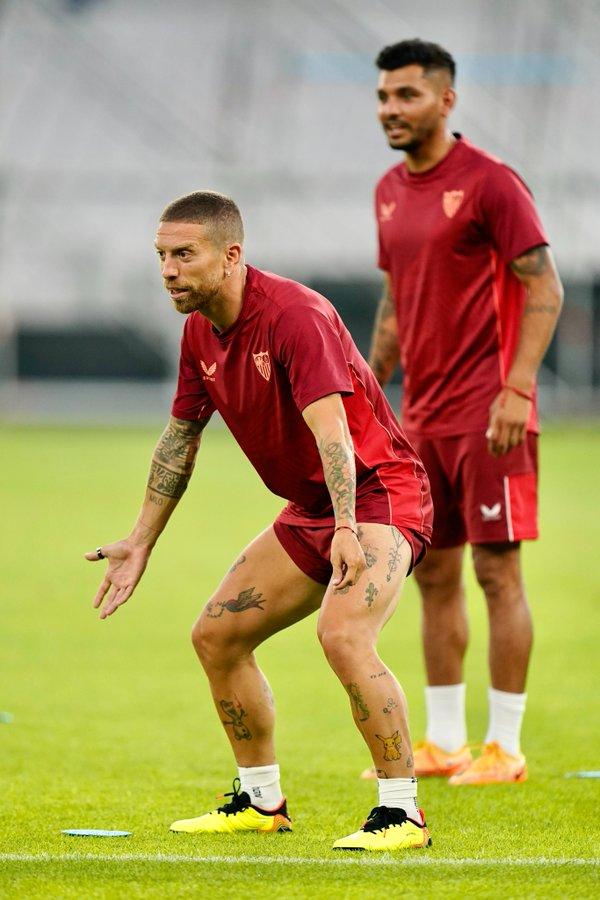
{"type": "Point", "coordinates": [506, 717]}
{"type": "Point", "coordinates": [261, 783]}
{"type": "Point", "coordinates": [446, 724]}
{"type": "Point", "coordinates": [399, 793]}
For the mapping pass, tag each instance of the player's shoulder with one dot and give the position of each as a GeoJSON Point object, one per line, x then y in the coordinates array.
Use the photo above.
{"type": "Point", "coordinates": [488, 168]}
{"type": "Point", "coordinates": [284, 295]}
{"type": "Point", "coordinates": [392, 175]}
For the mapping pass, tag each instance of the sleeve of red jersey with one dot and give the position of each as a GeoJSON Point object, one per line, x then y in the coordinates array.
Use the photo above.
{"type": "Point", "coordinates": [509, 214]}
{"type": "Point", "coordinates": [383, 260]}
{"type": "Point", "coordinates": [191, 401]}
{"type": "Point", "coordinates": [308, 346]}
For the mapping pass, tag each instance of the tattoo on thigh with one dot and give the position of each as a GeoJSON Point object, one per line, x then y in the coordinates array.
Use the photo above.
{"type": "Point", "coordinates": [235, 713]}
{"type": "Point", "coordinates": [391, 746]}
{"type": "Point", "coordinates": [238, 562]}
{"type": "Point", "coordinates": [343, 590]}
{"type": "Point", "coordinates": [395, 554]}
{"type": "Point", "coordinates": [368, 549]}
{"type": "Point", "coordinates": [245, 600]}
{"type": "Point", "coordinates": [359, 707]}
{"type": "Point", "coordinates": [390, 705]}
{"type": "Point", "coordinates": [371, 594]}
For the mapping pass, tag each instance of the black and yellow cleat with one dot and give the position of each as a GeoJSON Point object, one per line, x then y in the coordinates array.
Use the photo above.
{"type": "Point", "coordinates": [237, 815]}
{"type": "Point", "coordinates": [387, 829]}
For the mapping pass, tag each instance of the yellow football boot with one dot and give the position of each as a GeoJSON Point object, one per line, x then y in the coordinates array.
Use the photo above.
{"type": "Point", "coordinates": [431, 760]}
{"type": "Point", "coordinates": [494, 766]}
{"type": "Point", "coordinates": [237, 815]}
{"type": "Point", "coordinates": [387, 829]}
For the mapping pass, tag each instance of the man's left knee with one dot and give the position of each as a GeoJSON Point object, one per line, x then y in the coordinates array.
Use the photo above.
{"type": "Point", "coordinates": [498, 570]}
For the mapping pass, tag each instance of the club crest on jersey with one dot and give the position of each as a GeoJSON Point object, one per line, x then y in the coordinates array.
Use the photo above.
{"type": "Point", "coordinates": [209, 371]}
{"type": "Point", "coordinates": [490, 513]}
{"type": "Point", "coordinates": [451, 202]}
{"type": "Point", "coordinates": [386, 211]}
{"type": "Point", "coordinates": [262, 361]}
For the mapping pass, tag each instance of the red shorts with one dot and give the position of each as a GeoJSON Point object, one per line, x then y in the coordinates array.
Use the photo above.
{"type": "Point", "coordinates": [309, 547]}
{"type": "Point", "coordinates": [477, 497]}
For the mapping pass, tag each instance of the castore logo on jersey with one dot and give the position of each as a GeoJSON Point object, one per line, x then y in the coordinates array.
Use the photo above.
{"type": "Point", "coordinates": [386, 211]}
{"type": "Point", "coordinates": [209, 371]}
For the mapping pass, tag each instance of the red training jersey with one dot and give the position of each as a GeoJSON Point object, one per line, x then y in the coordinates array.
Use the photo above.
{"type": "Point", "coordinates": [446, 237]}
{"type": "Point", "coordinates": [287, 348]}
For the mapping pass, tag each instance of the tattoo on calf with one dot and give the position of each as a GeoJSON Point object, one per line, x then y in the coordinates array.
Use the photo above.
{"type": "Point", "coordinates": [391, 746]}
{"type": "Point", "coordinates": [235, 713]}
{"type": "Point", "coordinates": [390, 705]}
{"type": "Point", "coordinates": [245, 600]}
{"type": "Point", "coordinates": [409, 762]}
{"type": "Point", "coordinates": [379, 674]}
{"type": "Point", "coordinates": [359, 707]}
{"type": "Point", "coordinates": [395, 554]}
{"type": "Point", "coordinates": [370, 594]}
{"type": "Point", "coordinates": [381, 773]}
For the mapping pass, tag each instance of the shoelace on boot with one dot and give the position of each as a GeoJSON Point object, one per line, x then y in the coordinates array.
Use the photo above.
{"type": "Point", "coordinates": [240, 800]}
{"type": "Point", "coordinates": [381, 817]}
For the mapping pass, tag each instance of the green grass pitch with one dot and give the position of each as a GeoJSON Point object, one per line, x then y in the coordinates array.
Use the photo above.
{"type": "Point", "coordinates": [113, 727]}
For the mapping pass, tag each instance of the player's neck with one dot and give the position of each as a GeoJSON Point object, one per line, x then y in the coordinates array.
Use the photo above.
{"type": "Point", "coordinates": [227, 305]}
{"type": "Point", "coordinates": [430, 152]}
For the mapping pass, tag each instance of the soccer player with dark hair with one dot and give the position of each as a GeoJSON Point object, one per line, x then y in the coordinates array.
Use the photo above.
{"type": "Point", "coordinates": [276, 361]}
{"type": "Point", "coordinates": [471, 299]}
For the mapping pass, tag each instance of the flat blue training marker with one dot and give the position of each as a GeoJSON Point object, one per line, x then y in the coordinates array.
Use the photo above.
{"type": "Point", "coordinates": [94, 832]}
{"type": "Point", "coordinates": [582, 775]}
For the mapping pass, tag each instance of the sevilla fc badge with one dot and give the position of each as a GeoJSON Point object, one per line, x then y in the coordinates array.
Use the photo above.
{"type": "Point", "coordinates": [262, 362]}
{"type": "Point", "coordinates": [451, 202]}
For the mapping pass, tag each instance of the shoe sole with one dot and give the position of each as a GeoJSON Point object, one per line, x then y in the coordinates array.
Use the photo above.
{"type": "Point", "coordinates": [428, 843]}
{"type": "Point", "coordinates": [522, 776]}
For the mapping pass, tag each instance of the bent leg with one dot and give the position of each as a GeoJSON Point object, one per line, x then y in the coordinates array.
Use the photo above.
{"type": "Point", "coordinates": [498, 571]}
{"type": "Point", "coordinates": [349, 625]}
{"type": "Point", "coordinates": [261, 594]}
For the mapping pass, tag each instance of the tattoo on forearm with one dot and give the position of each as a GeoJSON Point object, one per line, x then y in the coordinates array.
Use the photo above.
{"type": "Point", "coordinates": [534, 262]}
{"type": "Point", "coordinates": [370, 594]}
{"type": "Point", "coordinates": [340, 477]}
{"type": "Point", "coordinates": [164, 481]}
{"type": "Point", "coordinates": [235, 713]}
{"type": "Point", "coordinates": [395, 553]}
{"type": "Point", "coordinates": [158, 501]}
{"type": "Point", "coordinates": [391, 746]}
{"type": "Point", "coordinates": [384, 352]}
{"type": "Point", "coordinates": [359, 707]}
{"type": "Point", "coordinates": [245, 600]}
{"type": "Point", "coordinates": [390, 705]}
{"type": "Point", "coordinates": [238, 562]}
{"type": "Point", "coordinates": [174, 457]}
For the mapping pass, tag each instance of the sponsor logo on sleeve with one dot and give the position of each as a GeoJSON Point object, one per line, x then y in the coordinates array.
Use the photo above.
{"type": "Point", "coordinates": [491, 513]}
{"type": "Point", "coordinates": [451, 202]}
{"type": "Point", "coordinates": [262, 361]}
{"type": "Point", "coordinates": [386, 211]}
{"type": "Point", "coordinates": [209, 371]}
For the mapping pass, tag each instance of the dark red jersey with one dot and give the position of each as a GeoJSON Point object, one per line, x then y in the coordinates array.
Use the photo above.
{"type": "Point", "coordinates": [447, 236]}
{"type": "Point", "coordinates": [288, 348]}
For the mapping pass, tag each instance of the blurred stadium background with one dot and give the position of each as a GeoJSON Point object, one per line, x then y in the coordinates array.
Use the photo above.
{"type": "Point", "coordinates": [111, 109]}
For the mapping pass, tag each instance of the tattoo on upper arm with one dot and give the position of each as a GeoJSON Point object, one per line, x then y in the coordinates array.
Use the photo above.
{"type": "Point", "coordinates": [340, 476]}
{"type": "Point", "coordinates": [534, 262]}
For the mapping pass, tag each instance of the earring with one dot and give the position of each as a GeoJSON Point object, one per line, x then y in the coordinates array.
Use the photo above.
{"type": "Point", "coordinates": [227, 272]}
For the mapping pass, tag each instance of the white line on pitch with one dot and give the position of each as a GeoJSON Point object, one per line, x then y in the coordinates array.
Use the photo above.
{"type": "Point", "coordinates": [299, 860]}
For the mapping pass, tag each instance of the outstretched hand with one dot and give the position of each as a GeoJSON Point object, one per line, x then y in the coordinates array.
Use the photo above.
{"type": "Point", "coordinates": [347, 559]}
{"type": "Point", "coordinates": [126, 565]}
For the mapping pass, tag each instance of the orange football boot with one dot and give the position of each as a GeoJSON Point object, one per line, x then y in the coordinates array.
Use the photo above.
{"type": "Point", "coordinates": [494, 766]}
{"type": "Point", "coordinates": [431, 760]}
